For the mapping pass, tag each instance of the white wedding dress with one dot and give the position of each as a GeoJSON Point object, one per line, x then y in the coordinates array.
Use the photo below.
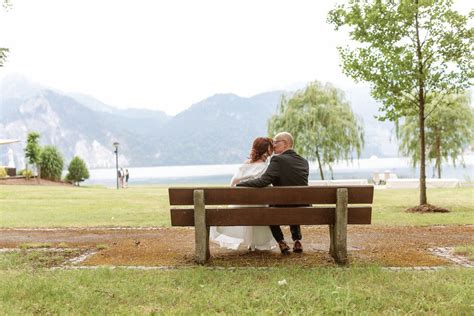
{"type": "Point", "coordinates": [252, 237]}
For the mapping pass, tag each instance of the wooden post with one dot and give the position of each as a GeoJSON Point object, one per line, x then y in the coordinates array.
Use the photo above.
{"type": "Point", "coordinates": [200, 228]}
{"type": "Point", "coordinates": [340, 227]}
{"type": "Point", "coordinates": [331, 241]}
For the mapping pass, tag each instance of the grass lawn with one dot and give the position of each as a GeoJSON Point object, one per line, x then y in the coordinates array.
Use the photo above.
{"type": "Point", "coordinates": [49, 206]}
{"type": "Point", "coordinates": [467, 251]}
{"type": "Point", "coordinates": [28, 288]}
{"type": "Point", "coordinates": [390, 205]}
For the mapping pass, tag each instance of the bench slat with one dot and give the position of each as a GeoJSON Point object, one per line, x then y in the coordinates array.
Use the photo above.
{"type": "Point", "coordinates": [362, 194]}
{"type": "Point", "coordinates": [264, 216]}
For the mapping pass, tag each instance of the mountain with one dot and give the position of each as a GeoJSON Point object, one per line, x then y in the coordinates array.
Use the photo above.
{"type": "Point", "coordinates": [217, 130]}
{"type": "Point", "coordinates": [74, 128]}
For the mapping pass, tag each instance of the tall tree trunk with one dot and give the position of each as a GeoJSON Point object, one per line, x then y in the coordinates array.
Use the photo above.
{"type": "Point", "coordinates": [319, 164]}
{"type": "Point", "coordinates": [423, 198]}
{"type": "Point", "coordinates": [438, 153]}
{"type": "Point", "coordinates": [38, 169]}
{"type": "Point", "coordinates": [421, 112]}
{"type": "Point", "coordinates": [439, 170]}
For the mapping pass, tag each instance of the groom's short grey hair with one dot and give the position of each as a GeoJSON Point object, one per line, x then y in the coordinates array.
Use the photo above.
{"type": "Point", "coordinates": [287, 137]}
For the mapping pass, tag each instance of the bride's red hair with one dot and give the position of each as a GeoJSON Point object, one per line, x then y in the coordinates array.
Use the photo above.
{"type": "Point", "coordinates": [260, 148]}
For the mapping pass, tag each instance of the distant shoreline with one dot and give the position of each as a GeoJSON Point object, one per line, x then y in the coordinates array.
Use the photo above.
{"type": "Point", "coordinates": [222, 174]}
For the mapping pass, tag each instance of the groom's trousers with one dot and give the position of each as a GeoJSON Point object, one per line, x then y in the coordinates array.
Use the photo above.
{"type": "Point", "coordinates": [278, 234]}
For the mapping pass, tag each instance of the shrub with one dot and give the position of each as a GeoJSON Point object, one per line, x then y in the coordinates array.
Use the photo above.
{"type": "Point", "coordinates": [3, 172]}
{"type": "Point", "coordinates": [77, 170]}
{"type": "Point", "coordinates": [51, 163]}
{"type": "Point", "coordinates": [26, 173]}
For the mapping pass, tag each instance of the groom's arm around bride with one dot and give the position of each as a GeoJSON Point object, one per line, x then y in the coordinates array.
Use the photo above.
{"type": "Point", "coordinates": [286, 169]}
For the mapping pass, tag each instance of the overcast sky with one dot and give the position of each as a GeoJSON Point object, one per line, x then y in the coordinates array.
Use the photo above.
{"type": "Point", "coordinates": [167, 55]}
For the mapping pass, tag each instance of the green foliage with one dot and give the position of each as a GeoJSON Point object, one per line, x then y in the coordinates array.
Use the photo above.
{"type": "Point", "coordinates": [6, 4]}
{"type": "Point", "coordinates": [449, 130]}
{"type": "Point", "coordinates": [26, 173]}
{"type": "Point", "coordinates": [3, 172]}
{"type": "Point", "coordinates": [51, 163]}
{"type": "Point", "coordinates": [322, 123]}
{"type": "Point", "coordinates": [3, 55]}
{"type": "Point", "coordinates": [405, 44]}
{"type": "Point", "coordinates": [33, 149]}
{"type": "Point", "coordinates": [77, 170]}
{"type": "Point", "coordinates": [407, 50]}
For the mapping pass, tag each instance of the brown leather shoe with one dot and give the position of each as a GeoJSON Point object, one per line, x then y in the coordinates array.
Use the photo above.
{"type": "Point", "coordinates": [284, 248]}
{"type": "Point", "coordinates": [297, 247]}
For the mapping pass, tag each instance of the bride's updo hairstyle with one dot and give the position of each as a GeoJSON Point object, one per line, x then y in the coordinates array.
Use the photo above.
{"type": "Point", "coordinates": [260, 148]}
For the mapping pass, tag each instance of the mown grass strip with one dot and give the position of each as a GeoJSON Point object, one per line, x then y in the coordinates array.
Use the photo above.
{"type": "Point", "coordinates": [358, 290]}
{"type": "Point", "coordinates": [38, 206]}
{"type": "Point", "coordinates": [467, 251]}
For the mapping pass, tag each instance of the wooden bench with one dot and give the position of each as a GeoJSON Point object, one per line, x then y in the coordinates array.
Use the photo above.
{"type": "Point", "coordinates": [331, 205]}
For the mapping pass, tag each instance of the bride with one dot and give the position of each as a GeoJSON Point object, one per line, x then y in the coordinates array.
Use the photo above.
{"type": "Point", "coordinates": [252, 237]}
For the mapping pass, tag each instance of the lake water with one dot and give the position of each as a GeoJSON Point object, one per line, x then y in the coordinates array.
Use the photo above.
{"type": "Point", "coordinates": [221, 174]}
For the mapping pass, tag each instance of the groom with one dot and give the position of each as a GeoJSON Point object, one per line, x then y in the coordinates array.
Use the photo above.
{"type": "Point", "coordinates": [286, 168]}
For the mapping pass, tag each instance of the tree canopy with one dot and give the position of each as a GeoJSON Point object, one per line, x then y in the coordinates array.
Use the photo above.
{"type": "Point", "coordinates": [449, 130]}
{"type": "Point", "coordinates": [322, 122]}
{"type": "Point", "coordinates": [52, 163]}
{"type": "Point", "coordinates": [6, 4]}
{"type": "Point", "coordinates": [77, 170]}
{"type": "Point", "coordinates": [33, 149]}
{"type": "Point", "coordinates": [3, 55]}
{"type": "Point", "coordinates": [406, 50]}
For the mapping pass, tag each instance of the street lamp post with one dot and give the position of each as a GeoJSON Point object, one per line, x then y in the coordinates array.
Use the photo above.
{"type": "Point", "coordinates": [116, 145]}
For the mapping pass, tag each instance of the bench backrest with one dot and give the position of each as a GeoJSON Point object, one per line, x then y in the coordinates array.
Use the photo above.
{"type": "Point", "coordinates": [267, 215]}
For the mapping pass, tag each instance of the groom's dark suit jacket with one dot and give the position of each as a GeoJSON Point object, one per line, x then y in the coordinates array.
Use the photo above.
{"type": "Point", "coordinates": [286, 169]}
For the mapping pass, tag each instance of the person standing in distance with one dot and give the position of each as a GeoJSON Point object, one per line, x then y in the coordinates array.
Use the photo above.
{"type": "Point", "coordinates": [127, 175]}
{"type": "Point", "coordinates": [286, 168]}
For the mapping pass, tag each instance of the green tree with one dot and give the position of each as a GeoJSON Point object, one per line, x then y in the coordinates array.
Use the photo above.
{"type": "Point", "coordinates": [449, 130]}
{"type": "Point", "coordinates": [3, 55]}
{"type": "Point", "coordinates": [406, 49]}
{"type": "Point", "coordinates": [6, 4]}
{"type": "Point", "coordinates": [33, 152]}
{"type": "Point", "coordinates": [51, 163]}
{"type": "Point", "coordinates": [322, 122]}
{"type": "Point", "coordinates": [77, 170]}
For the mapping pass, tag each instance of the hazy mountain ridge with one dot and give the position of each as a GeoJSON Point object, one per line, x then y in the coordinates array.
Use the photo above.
{"type": "Point", "coordinates": [219, 129]}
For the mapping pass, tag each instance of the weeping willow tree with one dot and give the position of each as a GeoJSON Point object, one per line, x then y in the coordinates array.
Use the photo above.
{"type": "Point", "coordinates": [323, 125]}
{"type": "Point", "coordinates": [449, 130]}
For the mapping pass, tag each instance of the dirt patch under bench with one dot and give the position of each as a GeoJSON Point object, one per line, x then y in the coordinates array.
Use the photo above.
{"type": "Point", "coordinates": [386, 246]}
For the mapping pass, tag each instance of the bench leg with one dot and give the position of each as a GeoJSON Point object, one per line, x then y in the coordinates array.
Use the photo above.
{"type": "Point", "coordinates": [340, 228]}
{"type": "Point", "coordinates": [200, 228]}
{"type": "Point", "coordinates": [331, 241]}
